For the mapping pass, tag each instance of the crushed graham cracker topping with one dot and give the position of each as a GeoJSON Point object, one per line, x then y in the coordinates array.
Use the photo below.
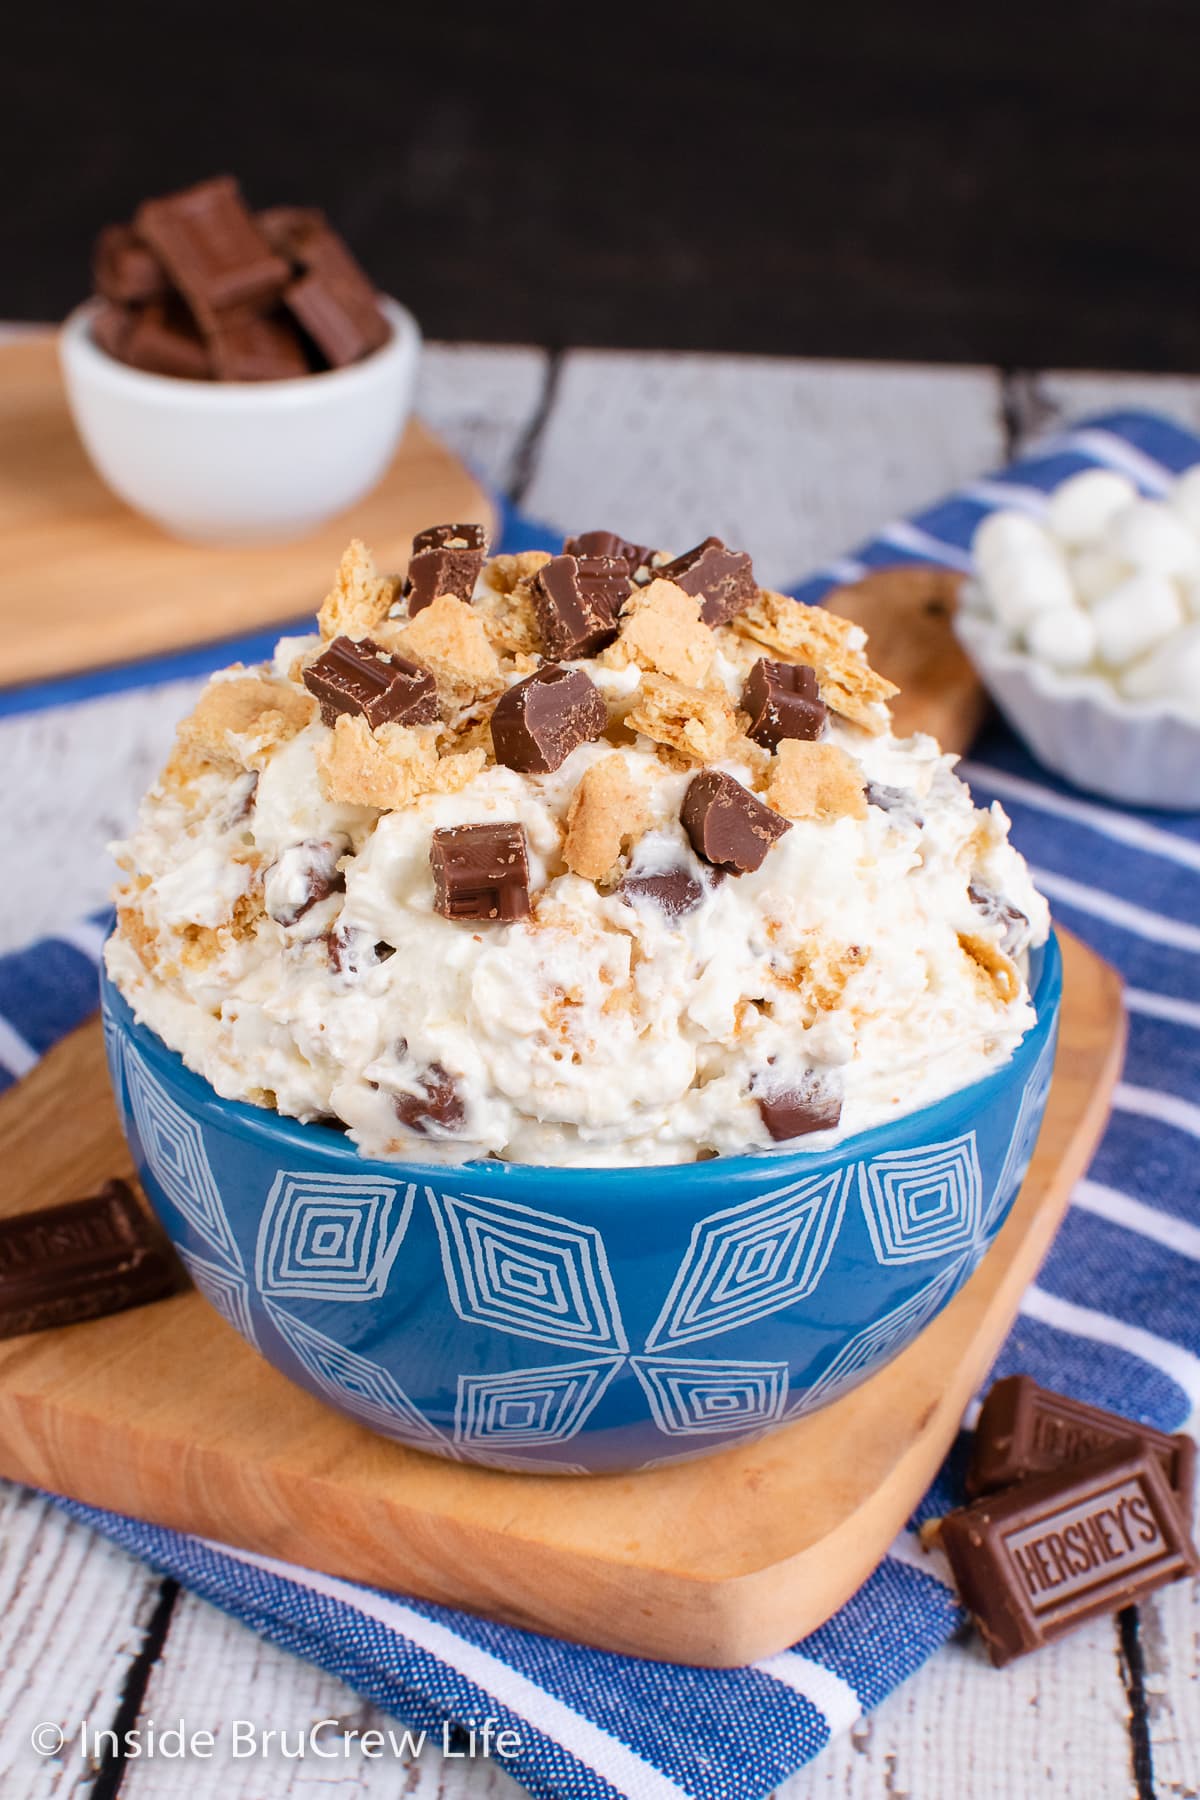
{"type": "Point", "coordinates": [360, 597]}
{"type": "Point", "coordinates": [815, 781]}
{"type": "Point", "coordinates": [833, 647]}
{"type": "Point", "coordinates": [389, 767]}
{"type": "Point", "coordinates": [608, 811]}
{"type": "Point", "coordinates": [448, 638]}
{"type": "Point", "coordinates": [699, 723]}
{"type": "Point", "coordinates": [662, 632]}
{"type": "Point", "coordinates": [240, 720]}
{"type": "Point", "coordinates": [996, 974]}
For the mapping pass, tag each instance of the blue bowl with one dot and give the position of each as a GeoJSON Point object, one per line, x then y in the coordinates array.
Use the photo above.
{"type": "Point", "coordinates": [578, 1320]}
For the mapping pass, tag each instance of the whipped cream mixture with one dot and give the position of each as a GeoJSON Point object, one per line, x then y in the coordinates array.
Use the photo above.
{"type": "Point", "coordinates": [280, 928]}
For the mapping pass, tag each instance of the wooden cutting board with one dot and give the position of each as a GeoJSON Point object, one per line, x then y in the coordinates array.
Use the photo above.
{"type": "Point", "coordinates": [88, 582]}
{"type": "Point", "coordinates": [165, 1413]}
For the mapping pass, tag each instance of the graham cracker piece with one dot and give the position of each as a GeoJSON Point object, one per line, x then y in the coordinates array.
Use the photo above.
{"type": "Point", "coordinates": [202, 944]}
{"type": "Point", "coordinates": [996, 974]}
{"type": "Point", "coordinates": [607, 812]}
{"type": "Point", "coordinates": [661, 630]}
{"type": "Point", "coordinates": [238, 721]}
{"type": "Point", "coordinates": [360, 597]}
{"type": "Point", "coordinates": [505, 603]}
{"type": "Point", "coordinates": [389, 767]}
{"type": "Point", "coordinates": [819, 972]}
{"type": "Point", "coordinates": [132, 926]}
{"type": "Point", "coordinates": [700, 723]}
{"type": "Point", "coordinates": [816, 781]}
{"type": "Point", "coordinates": [835, 648]}
{"type": "Point", "coordinates": [448, 638]}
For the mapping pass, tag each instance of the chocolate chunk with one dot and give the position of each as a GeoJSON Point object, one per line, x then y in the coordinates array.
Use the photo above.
{"type": "Point", "coordinates": [783, 701]}
{"type": "Point", "coordinates": [164, 341]}
{"type": "Point", "coordinates": [82, 1260]}
{"type": "Point", "coordinates": [1026, 1430]}
{"type": "Point", "coordinates": [675, 892]}
{"type": "Point", "coordinates": [577, 599]}
{"type": "Point", "coordinates": [538, 723]}
{"type": "Point", "coordinates": [437, 1110]}
{"type": "Point", "coordinates": [245, 347]}
{"type": "Point", "coordinates": [317, 860]}
{"type": "Point", "coordinates": [480, 872]}
{"type": "Point", "coordinates": [211, 247]}
{"type": "Point", "coordinates": [341, 315]}
{"type": "Point", "coordinates": [727, 826]}
{"type": "Point", "coordinates": [111, 327]}
{"type": "Point", "coordinates": [793, 1109]}
{"type": "Point", "coordinates": [446, 559]}
{"type": "Point", "coordinates": [1015, 933]}
{"type": "Point", "coordinates": [351, 951]}
{"type": "Point", "coordinates": [724, 579]}
{"type": "Point", "coordinates": [125, 269]}
{"type": "Point", "coordinates": [609, 543]}
{"type": "Point", "coordinates": [900, 801]}
{"type": "Point", "coordinates": [354, 676]}
{"type": "Point", "coordinates": [1033, 1562]}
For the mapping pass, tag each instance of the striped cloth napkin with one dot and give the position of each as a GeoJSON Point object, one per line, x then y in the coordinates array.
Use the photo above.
{"type": "Point", "coordinates": [1113, 1318]}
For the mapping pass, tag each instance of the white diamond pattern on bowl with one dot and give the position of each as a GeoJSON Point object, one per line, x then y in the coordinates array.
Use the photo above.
{"type": "Point", "coordinates": [530, 1406]}
{"type": "Point", "coordinates": [354, 1383]}
{"type": "Point", "coordinates": [331, 1237]}
{"type": "Point", "coordinates": [228, 1293]}
{"type": "Point", "coordinates": [702, 1397]}
{"type": "Point", "coordinates": [920, 1204]}
{"type": "Point", "coordinates": [526, 1272]}
{"type": "Point", "coordinates": [173, 1145]}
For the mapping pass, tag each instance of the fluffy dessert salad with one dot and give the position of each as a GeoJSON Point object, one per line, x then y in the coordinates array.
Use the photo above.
{"type": "Point", "coordinates": [600, 858]}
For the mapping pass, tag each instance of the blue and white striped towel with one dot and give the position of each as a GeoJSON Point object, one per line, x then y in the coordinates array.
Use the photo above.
{"type": "Point", "coordinates": [1114, 1316]}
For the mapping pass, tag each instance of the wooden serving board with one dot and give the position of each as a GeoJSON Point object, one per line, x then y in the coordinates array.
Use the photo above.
{"type": "Point", "coordinates": [89, 582]}
{"type": "Point", "coordinates": [166, 1414]}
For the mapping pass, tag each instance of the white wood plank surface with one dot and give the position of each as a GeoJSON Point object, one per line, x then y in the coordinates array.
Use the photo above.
{"type": "Point", "coordinates": [798, 461]}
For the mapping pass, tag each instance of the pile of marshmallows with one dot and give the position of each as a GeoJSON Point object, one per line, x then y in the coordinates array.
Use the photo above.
{"type": "Point", "coordinates": [1109, 584]}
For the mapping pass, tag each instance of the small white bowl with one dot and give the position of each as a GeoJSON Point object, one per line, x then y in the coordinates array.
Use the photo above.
{"type": "Point", "coordinates": [1141, 752]}
{"type": "Point", "coordinates": [240, 462]}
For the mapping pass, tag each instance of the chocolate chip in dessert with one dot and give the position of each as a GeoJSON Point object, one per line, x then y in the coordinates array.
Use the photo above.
{"type": "Point", "coordinates": [576, 600]}
{"type": "Point", "coordinates": [900, 801]}
{"type": "Point", "coordinates": [726, 824]}
{"type": "Point", "coordinates": [480, 872]}
{"type": "Point", "coordinates": [211, 247]}
{"type": "Point", "coordinates": [537, 723]}
{"type": "Point", "coordinates": [676, 892]}
{"type": "Point", "coordinates": [318, 859]}
{"type": "Point", "coordinates": [356, 676]}
{"type": "Point", "coordinates": [783, 701]}
{"type": "Point", "coordinates": [446, 559]}
{"type": "Point", "coordinates": [125, 269]}
{"type": "Point", "coordinates": [438, 1105]}
{"type": "Point", "coordinates": [789, 1110]}
{"type": "Point", "coordinates": [997, 910]}
{"type": "Point", "coordinates": [610, 543]}
{"type": "Point", "coordinates": [722, 579]}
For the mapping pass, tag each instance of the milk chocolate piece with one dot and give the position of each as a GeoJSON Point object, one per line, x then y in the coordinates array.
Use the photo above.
{"type": "Point", "coordinates": [723, 579]}
{"type": "Point", "coordinates": [341, 314]}
{"type": "Point", "coordinates": [111, 328]}
{"type": "Point", "coordinates": [609, 543]}
{"type": "Point", "coordinates": [246, 347]}
{"type": "Point", "coordinates": [480, 872]}
{"type": "Point", "coordinates": [577, 599]}
{"type": "Point", "coordinates": [125, 269]}
{"type": "Point", "coordinates": [811, 1103]}
{"type": "Point", "coordinates": [538, 723]}
{"type": "Point", "coordinates": [726, 824]}
{"type": "Point", "coordinates": [437, 1110]}
{"type": "Point", "coordinates": [675, 892]}
{"type": "Point", "coordinates": [211, 248]}
{"type": "Point", "coordinates": [783, 701]}
{"type": "Point", "coordinates": [1033, 1562]}
{"type": "Point", "coordinates": [356, 676]}
{"type": "Point", "coordinates": [1027, 1430]}
{"type": "Point", "coordinates": [322, 877]}
{"type": "Point", "coordinates": [446, 559]}
{"type": "Point", "coordinates": [82, 1260]}
{"type": "Point", "coordinates": [995, 908]}
{"type": "Point", "coordinates": [900, 801]}
{"type": "Point", "coordinates": [163, 340]}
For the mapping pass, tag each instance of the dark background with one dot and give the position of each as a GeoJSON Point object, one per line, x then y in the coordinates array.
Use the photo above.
{"type": "Point", "coordinates": [1012, 184]}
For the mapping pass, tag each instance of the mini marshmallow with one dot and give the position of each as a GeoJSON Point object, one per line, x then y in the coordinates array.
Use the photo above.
{"type": "Point", "coordinates": [1185, 498]}
{"type": "Point", "coordinates": [1027, 585]}
{"type": "Point", "coordinates": [1064, 637]}
{"type": "Point", "coordinates": [1150, 535]}
{"type": "Point", "coordinates": [1082, 506]}
{"type": "Point", "coordinates": [1095, 572]}
{"type": "Point", "coordinates": [1004, 537]}
{"type": "Point", "coordinates": [1136, 616]}
{"type": "Point", "coordinates": [1170, 672]}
